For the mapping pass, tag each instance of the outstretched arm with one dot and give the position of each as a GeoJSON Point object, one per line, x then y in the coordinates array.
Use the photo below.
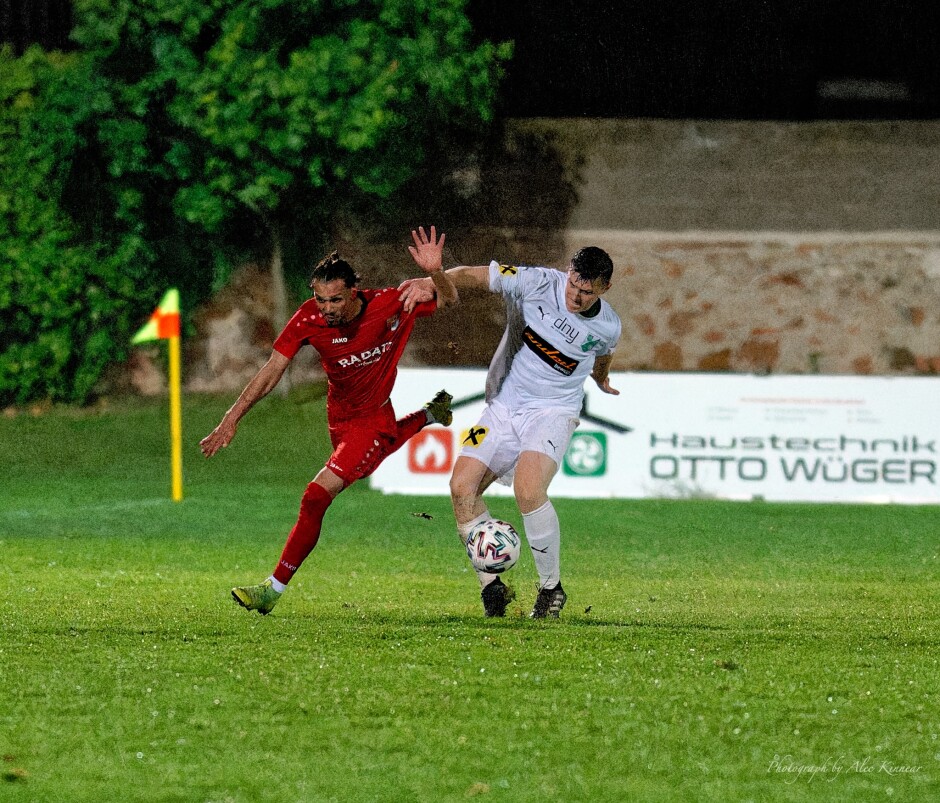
{"type": "Point", "coordinates": [600, 374]}
{"type": "Point", "coordinates": [259, 387]}
{"type": "Point", "coordinates": [428, 253]}
{"type": "Point", "coordinates": [413, 291]}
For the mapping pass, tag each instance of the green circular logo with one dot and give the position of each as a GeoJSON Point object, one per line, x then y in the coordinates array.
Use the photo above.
{"type": "Point", "coordinates": [586, 455]}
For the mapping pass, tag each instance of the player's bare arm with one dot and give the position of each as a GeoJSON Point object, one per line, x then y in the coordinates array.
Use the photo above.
{"type": "Point", "coordinates": [413, 291]}
{"type": "Point", "coordinates": [428, 252]}
{"type": "Point", "coordinates": [260, 386]}
{"type": "Point", "coordinates": [601, 372]}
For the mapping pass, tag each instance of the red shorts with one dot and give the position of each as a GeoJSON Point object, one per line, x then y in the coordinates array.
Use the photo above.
{"type": "Point", "coordinates": [361, 444]}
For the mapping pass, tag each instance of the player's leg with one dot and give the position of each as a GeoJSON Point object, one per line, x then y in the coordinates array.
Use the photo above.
{"type": "Point", "coordinates": [305, 533]}
{"type": "Point", "coordinates": [358, 447]}
{"type": "Point", "coordinates": [534, 473]}
{"type": "Point", "coordinates": [436, 411]}
{"type": "Point", "coordinates": [469, 480]}
{"type": "Point", "coordinates": [545, 436]}
{"type": "Point", "coordinates": [487, 452]}
{"type": "Point", "coordinates": [303, 537]}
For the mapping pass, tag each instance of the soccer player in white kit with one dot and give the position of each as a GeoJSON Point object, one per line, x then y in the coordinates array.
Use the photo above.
{"type": "Point", "coordinates": [559, 332]}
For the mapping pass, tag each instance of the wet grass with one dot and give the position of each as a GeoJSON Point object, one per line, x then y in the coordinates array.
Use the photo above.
{"type": "Point", "coordinates": [709, 651]}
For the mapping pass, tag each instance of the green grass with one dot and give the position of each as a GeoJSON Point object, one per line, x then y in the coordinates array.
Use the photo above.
{"type": "Point", "coordinates": [709, 651]}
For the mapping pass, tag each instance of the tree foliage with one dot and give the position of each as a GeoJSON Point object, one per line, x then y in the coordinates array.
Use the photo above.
{"type": "Point", "coordinates": [68, 280]}
{"type": "Point", "coordinates": [184, 135]}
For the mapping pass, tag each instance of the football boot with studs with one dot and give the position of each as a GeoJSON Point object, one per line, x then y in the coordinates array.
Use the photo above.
{"type": "Point", "coordinates": [496, 596]}
{"type": "Point", "coordinates": [438, 409]}
{"type": "Point", "coordinates": [261, 598]}
{"type": "Point", "coordinates": [549, 602]}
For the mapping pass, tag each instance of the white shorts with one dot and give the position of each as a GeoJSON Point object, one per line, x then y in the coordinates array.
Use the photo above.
{"type": "Point", "coordinates": [501, 436]}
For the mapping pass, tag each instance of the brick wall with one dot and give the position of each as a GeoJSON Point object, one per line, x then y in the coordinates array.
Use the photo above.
{"type": "Point", "coordinates": [739, 246]}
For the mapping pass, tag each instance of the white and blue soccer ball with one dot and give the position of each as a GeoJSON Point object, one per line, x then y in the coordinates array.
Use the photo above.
{"type": "Point", "coordinates": [493, 546]}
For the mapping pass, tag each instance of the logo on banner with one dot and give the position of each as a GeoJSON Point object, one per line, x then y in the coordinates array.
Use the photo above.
{"type": "Point", "coordinates": [586, 455]}
{"type": "Point", "coordinates": [431, 451]}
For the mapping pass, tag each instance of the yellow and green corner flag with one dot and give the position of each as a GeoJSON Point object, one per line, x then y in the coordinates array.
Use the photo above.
{"type": "Point", "coordinates": [164, 324]}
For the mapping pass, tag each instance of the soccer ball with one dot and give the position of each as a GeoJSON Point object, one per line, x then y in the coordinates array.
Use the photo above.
{"type": "Point", "coordinates": [493, 546]}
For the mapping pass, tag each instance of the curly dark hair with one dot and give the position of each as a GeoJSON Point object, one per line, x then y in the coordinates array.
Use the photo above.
{"type": "Point", "coordinates": [593, 264]}
{"type": "Point", "coordinates": [333, 267]}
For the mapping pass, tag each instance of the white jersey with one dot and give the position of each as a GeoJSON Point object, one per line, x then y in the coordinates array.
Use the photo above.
{"type": "Point", "coordinates": [546, 352]}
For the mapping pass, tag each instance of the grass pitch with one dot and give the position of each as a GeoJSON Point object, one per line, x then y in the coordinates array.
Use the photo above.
{"type": "Point", "coordinates": [708, 651]}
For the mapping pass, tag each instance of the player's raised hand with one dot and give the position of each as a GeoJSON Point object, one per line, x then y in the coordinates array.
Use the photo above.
{"type": "Point", "coordinates": [428, 251]}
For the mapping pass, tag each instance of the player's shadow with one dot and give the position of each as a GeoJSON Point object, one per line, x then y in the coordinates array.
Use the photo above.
{"type": "Point", "coordinates": [514, 620]}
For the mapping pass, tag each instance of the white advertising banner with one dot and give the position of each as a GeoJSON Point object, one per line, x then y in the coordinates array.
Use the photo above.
{"type": "Point", "coordinates": [727, 436]}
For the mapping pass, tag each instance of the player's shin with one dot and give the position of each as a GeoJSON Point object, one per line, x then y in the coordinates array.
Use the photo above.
{"type": "Point", "coordinates": [464, 529]}
{"type": "Point", "coordinates": [543, 533]}
{"type": "Point", "coordinates": [306, 532]}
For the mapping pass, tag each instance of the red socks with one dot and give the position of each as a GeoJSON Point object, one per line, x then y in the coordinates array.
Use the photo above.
{"type": "Point", "coordinates": [316, 499]}
{"type": "Point", "coordinates": [408, 427]}
{"type": "Point", "coordinates": [303, 538]}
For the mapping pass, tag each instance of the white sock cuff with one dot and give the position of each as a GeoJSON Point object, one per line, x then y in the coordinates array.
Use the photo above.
{"type": "Point", "coordinates": [467, 528]}
{"type": "Point", "coordinates": [534, 514]}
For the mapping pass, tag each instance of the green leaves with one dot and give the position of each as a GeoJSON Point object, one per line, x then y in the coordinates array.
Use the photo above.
{"type": "Point", "coordinates": [185, 134]}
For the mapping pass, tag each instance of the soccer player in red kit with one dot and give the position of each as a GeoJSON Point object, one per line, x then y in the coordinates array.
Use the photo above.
{"type": "Point", "coordinates": [360, 336]}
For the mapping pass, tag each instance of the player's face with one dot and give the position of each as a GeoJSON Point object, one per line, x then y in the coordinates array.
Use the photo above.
{"type": "Point", "coordinates": [581, 294]}
{"type": "Point", "coordinates": [337, 303]}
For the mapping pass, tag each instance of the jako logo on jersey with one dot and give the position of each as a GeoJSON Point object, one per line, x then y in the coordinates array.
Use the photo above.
{"type": "Point", "coordinates": [364, 357]}
{"type": "Point", "coordinates": [548, 354]}
{"type": "Point", "coordinates": [431, 451]}
{"type": "Point", "coordinates": [508, 270]}
{"type": "Point", "coordinates": [473, 436]}
{"type": "Point", "coordinates": [340, 339]}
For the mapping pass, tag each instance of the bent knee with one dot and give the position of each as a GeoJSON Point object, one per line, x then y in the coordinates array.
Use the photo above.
{"type": "Point", "coordinates": [529, 495]}
{"type": "Point", "coordinates": [528, 502]}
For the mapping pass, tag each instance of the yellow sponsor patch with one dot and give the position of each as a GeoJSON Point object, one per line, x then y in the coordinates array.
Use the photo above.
{"type": "Point", "coordinates": [508, 270]}
{"type": "Point", "coordinates": [473, 436]}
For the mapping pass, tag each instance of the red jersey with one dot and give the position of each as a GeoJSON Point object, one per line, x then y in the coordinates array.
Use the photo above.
{"type": "Point", "coordinates": [361, 357]}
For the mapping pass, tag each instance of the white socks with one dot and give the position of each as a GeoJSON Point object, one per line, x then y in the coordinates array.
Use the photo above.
{"type": "Point", "coordinates": [543, 533]}
{"type": "Point", "coordinates": [277, 585]}
{"type": "Point", "coordinates": [465, 530]}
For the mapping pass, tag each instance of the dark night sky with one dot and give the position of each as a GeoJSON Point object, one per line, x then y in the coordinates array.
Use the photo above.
{"type": "Point", "coordinates": [758, 59]}
{"type": "Point", "coordinates": [784, 59]}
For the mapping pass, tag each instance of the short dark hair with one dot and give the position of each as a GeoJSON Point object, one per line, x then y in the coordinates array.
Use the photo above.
{"type": "Point", "coordinates": [593, 264]}
{"type": "Point", "coordinates": [332, 267]}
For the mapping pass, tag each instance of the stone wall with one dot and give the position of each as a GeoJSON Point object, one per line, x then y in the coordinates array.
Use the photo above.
{"type": "Point", "coordinates": [739, 246]}
{"type": "Point", "coordinates": [775, 303]}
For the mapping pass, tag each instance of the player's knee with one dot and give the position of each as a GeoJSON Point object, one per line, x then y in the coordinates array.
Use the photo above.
{"type": "Point", "coordinates": [529, 496]}
{"type": "Point", "coordinates": [315, 498]}
{"type": "Point", "coordinates": [529, 503]}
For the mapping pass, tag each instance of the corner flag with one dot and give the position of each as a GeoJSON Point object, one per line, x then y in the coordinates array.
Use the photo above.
{"type": "Point", "coordinates": [164, 324]}
{"type": "Point", "coordinates": [165, 321]}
